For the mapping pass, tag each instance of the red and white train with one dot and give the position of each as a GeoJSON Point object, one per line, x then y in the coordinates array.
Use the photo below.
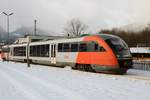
{"type": "Point", "coordinates": [100, 53]}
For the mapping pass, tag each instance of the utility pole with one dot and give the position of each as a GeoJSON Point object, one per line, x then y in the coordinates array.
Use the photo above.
{"type": "Point", "coordinates": [35, 22]}
{"type": "Point", "coordinates": [8, 15]}
{"type": "Point", "coordinates": [28, 52]}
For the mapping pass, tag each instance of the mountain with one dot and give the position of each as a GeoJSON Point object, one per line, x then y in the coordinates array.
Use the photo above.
{"type": "Point", "coordinates": [135, 27]}
{"type": "Point", "coordinates": [21, 32]}
{"type": "Point", "coordinates": [28, 30]}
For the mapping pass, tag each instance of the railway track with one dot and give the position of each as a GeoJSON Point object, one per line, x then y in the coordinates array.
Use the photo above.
{"type": "Point", "coordinates": [134, 77]}
{"type": "Point", "coordinates": [130, 77]}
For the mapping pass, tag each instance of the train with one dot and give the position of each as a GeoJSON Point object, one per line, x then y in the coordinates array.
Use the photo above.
{"type": "Point", "coordinates": [94, 53]}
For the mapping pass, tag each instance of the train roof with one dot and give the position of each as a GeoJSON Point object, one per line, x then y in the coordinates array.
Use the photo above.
{"type": "Point", "coordinates": [107, 36]}
{"type": "Point", "coordinates": [102, 35]}
{"type": "Point", "coordinates": [58, 40]}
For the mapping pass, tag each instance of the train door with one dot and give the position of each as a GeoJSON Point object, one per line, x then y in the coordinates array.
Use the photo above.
{"type": "Point", "coordinates": [53, 53]}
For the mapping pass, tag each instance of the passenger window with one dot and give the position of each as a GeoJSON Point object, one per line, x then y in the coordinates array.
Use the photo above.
{"type": "Point", "coordinates": [47, 51]}
{"type": "Point", "coordinates": [34, 50]}
{"type": "Point", "coordinates": [19, 51]}
{"type": "Point", "coordinates": [90, 46]}
{"type": "Point", "coordinates": [66, 47]}
{"type": "Point", "coordinates": [38, 48]}
{"type": "Point", "coordinates": [60, 46]}
{"type": "Point", "coordinates": [102, 49]}
{"type": "Point", "coordinates": [83, 47]}
{"type": "Point", "coordinates": [96, 47]}
{"type": "Point", "coordinates": [42, 50]}
{"type": "Point", "coordinates": [74, 47]}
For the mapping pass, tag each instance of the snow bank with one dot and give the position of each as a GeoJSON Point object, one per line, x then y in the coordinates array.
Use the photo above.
{"type": "Point", "coordinates": [18, 82]}
{"type": "Point", "coordinates": [138, 72]}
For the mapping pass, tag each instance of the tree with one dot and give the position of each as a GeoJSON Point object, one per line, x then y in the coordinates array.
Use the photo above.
{"type": "Point", "coordinates": [74, 28]}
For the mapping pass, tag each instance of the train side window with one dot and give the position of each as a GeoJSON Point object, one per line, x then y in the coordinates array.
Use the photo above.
{"type": "Point", "coordinates": [19, 51]}
{"type": "Point", "coordinates": [42, 50]}
{"type": "Point", "coordinates": [34, 50]}
{"type": "Point", "coordinates": [83, 47]}
{"type": "Point", "coordinates": [101, 49]}
{"type": "Point", "coordinates": [74, 47]}
{"type": "Point", "coordinates": [96, 47]}
{"type": "Point", "coordinates": [90, 46]}
{"type": "Point", "coordinates": [38, 50]}
{"type": "Point", "coordinates": [66, 47]}
{"type": "Point", "coordinates": [47, 50]}
{"type": "Point", "coordinates": [24, 51]}
{"type": "Point", "coordinates": [52, 51]}
{"type": "Point", "coordinates": [60, 47]}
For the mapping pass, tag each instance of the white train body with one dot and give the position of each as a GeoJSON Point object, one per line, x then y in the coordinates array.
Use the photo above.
{"type": "Point", "coordinates": [49, 56]}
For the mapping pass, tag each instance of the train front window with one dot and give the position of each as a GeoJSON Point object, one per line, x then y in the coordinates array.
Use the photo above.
{"type": "Point", "coordinates": [93, 46]}
{"type": "Point", "coordinates": [118, 46]}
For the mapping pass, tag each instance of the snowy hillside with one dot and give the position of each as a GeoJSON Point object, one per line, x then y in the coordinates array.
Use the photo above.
{"type": "Point", "coordinates": [18, 82]}
{"type": "Point", "coordinates": [135, 27]}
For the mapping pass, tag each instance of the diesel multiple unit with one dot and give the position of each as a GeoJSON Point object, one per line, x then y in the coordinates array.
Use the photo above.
{"type": "Point", "coordinates": [99, 53]}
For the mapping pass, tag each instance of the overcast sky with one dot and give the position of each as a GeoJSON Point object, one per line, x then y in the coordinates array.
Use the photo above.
{"type": "Point", "coordinates": [52, 15]}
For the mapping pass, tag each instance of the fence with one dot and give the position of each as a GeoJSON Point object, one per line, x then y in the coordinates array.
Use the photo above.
{"type": "Point", "coordinates": [144, 65]}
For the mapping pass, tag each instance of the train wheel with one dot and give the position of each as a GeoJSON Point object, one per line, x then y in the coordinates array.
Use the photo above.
{"type": "Point", "coordinates": [79, 67]}
{"type": "Point", "coordinates": [90, 69]}
{"type": "Point", "coordinates": [84, 67]}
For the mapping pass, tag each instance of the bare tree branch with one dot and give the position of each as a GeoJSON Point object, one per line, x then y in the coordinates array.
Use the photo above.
{"type": "Point", "coordinates": [75, 28]}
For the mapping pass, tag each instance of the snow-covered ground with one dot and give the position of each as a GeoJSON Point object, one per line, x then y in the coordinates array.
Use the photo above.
{"type": "Point", "coordinates": [140, 50]}
{"type": "Point", "coordinates": [18, 82]}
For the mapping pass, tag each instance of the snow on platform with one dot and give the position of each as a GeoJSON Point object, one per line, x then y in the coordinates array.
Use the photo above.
{"type": "Point", "coordinates": [18, 82]}
{"type": "Point", "coordinates": [140, 50]}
